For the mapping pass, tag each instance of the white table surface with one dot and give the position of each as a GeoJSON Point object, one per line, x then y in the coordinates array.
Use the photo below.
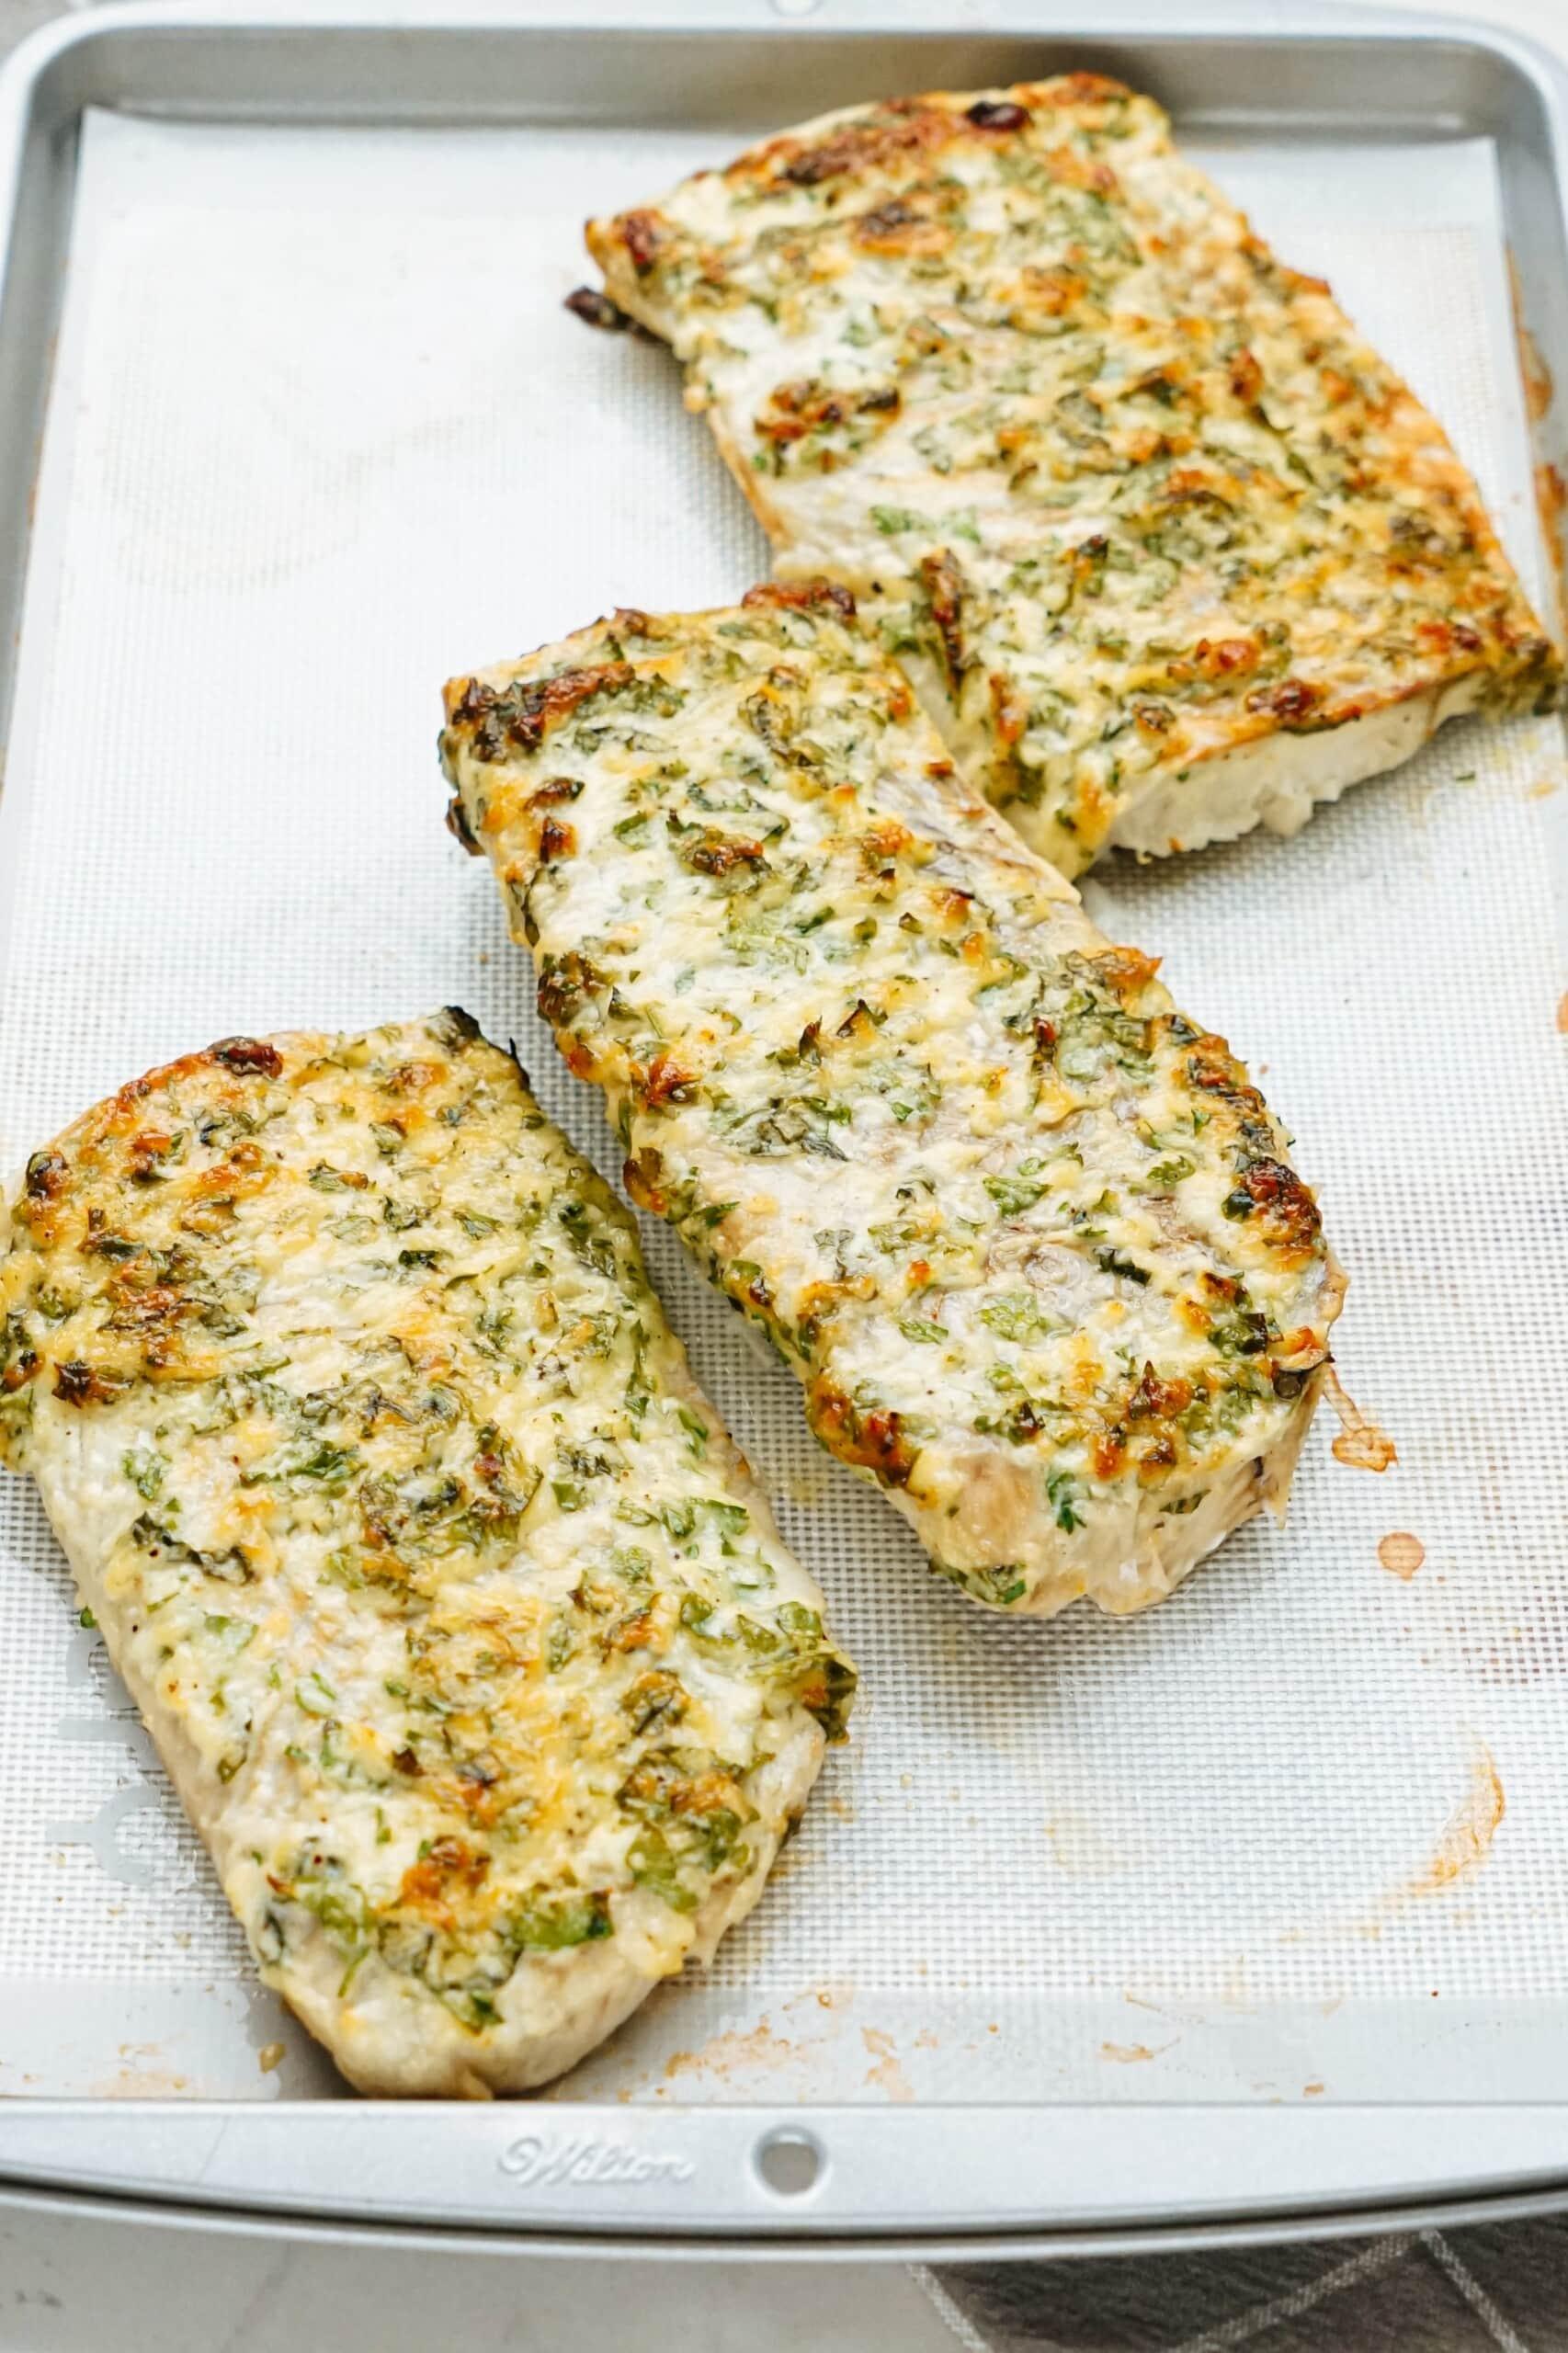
{"type": "Point", "coordinates": [74, 2286]}
{"type": "Point", "coordinates": [90, 2287]}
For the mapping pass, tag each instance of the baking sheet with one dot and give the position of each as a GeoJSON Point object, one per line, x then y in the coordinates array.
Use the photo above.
{"type": "Point", "coordinates": [320, 435]}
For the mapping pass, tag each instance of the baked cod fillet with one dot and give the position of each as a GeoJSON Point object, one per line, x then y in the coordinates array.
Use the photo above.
{"type": "Point", "coordinates": [1025, 1234]}
{"type": "Point", "coordinates": [460, 1626]}
{"type": "Point", "coordinates": [1168, 549]}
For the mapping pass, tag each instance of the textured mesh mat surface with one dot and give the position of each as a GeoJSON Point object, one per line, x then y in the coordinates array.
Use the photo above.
{"type": "Point", "coordinates": [322, 434]}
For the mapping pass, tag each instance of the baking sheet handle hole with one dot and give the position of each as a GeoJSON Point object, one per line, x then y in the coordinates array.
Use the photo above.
{"type": "Point", "coordinates": [789, 2162]}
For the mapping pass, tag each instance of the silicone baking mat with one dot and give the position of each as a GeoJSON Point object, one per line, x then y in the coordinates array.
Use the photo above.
{"type": "Point", "coordinates": [322, 434]}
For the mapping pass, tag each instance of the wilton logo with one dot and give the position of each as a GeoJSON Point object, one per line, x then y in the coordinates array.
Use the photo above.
{"type": "Point", "coordinates": [588, 2165]}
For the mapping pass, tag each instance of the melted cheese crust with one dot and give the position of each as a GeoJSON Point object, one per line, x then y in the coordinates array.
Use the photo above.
{"type": "Point", "coordinates": [1128, 495]}
{"type": "Point", "coordinates": [463, 1630]}
{"type": "Point", "coordinates": [1025, 1234]}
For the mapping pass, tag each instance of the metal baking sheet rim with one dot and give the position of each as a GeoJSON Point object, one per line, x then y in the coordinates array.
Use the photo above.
{"type": "Point", "coordinates": [532, 2178]}
{"type": "Point", "coordinates": [579, 2178]}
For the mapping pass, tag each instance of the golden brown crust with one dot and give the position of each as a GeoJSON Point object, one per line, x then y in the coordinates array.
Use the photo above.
{"type": "Point", "coordinates": [460, 1626]}
{"type": "Point", "coordinates": [1029, 1237]}
{"type": "Point", "coordinates": [1132, 495]}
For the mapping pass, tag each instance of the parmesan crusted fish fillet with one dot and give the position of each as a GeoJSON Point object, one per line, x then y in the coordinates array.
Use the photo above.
{"type": "Point", "coordinates": [1168, 549]}
{"type": "Point", "coordinates": [464, 1632]}
{"type": "Point", "coordinates": [1025, 1234]}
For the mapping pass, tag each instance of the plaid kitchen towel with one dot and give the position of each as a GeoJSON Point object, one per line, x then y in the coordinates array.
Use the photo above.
{"type": "Point", "coordinates": [1498, 2289]}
